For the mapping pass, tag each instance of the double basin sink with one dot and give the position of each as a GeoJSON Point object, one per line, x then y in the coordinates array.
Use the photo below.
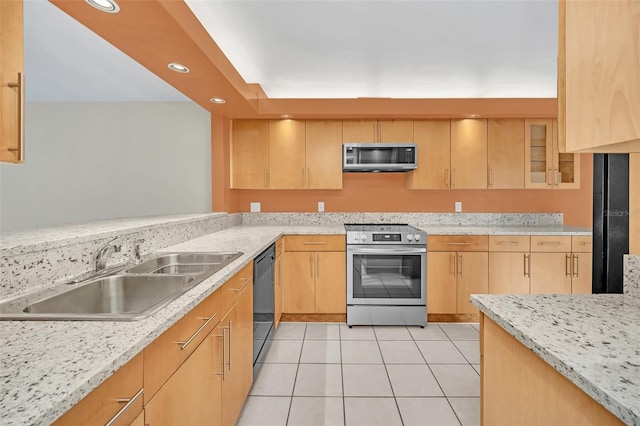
{"type": "Point", "coordinates": [126, 294]}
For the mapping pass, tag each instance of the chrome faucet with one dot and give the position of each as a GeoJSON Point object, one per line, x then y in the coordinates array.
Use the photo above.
{"type": "Point", "coordinates": [137, 259]}
{"type": "Point", "coordinates": [105, 252]}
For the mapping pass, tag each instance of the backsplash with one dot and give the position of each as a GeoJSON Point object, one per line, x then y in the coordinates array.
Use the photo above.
{"type": "Point", "coordinates": [34, 259]}
{"type": "Point", "coordinates": [631, 283]}
{"type": "Point", "coordinates": [445, 219]}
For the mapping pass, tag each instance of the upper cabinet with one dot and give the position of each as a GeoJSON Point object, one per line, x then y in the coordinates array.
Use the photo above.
{"type": "Point", "coordinates": [250, 154]}
{"type": "Point", "coordinates": [286, 154]}
{"type": "Point", "coordinates": [468, 154]}
{"type": "Point", "coordinates": [433, 139]}
{"type": "Point", "coordinates": [599, 76]}
{"type": "Point", "coordinates": [506, 153]}
{"type": "Point", "coordinates": [545, 166]}
{"type": "Point", "coordinates": [324, 154]}
{"type": "Point", "coordinates": [368, 131]}
{"type": "Point", "coordinates": [11, 81]}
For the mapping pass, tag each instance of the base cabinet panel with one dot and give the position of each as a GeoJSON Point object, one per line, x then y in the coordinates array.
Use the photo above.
{"type": "Point", "coordinates": [441, 283]}
{"type": "Point", "coordinates": [299, 283]}
{"type": "Point", "coordinates": [550, 273]}
{"type": "Point", "coordinates": [331, 283]}
{"type": "Point", "coordinates": [473, 276]}
{"type": "Point", "coordinates": [581, 280]}
{"type": "Point", "coordinates": [509, 273]}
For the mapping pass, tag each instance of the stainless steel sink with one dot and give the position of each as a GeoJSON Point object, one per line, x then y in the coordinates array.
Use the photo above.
{"type": "Point", "coordinates": [127, 294]}
{"type": "Point", "coordinates": [184, 263]}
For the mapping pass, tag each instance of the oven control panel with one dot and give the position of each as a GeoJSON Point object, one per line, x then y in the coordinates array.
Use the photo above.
{"type": "Point", "coordinates": [401, 235]}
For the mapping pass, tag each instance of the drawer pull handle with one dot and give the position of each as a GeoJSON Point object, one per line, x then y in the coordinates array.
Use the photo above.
{"type": "Point", "coordinates": [183, 345]}
{"type": "Point", "coordinates": [130, 402]}
{"type": "Point", "coordinates": [568, 266]}
{"type": "Point", "coordinates": [458, 244]}
{"type": "Point", "coordinates": [586, 244]}
{"type": "Point", "coordinates": [21, 104]}
{"type": "Point", "coordinates": [223, 373]}
{"type": "Point", "coordinates": [576, 265]}
{"type": "Point", "coordinates": [510, 243]}
{"type": "Point", "coordinates": [550, 244]}
{"type": "Point", "coordinates": [314, 243]}
{"type": "Point", "coordinates": [527, 266]}
{"type": "Point", "coordinates": [244, 284]}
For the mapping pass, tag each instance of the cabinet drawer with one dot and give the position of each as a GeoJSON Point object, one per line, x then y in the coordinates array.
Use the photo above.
{"type": "Point", "coordinates": [279, 246]}
{"type": "Point", "coordinates": [458, 243]}
{"type": "Point", "coordinates": [101, 405]}
{"type": "Point", "coordinates": [165, 354]}
{"type": "Point", "coordinates": [315, 243]}
{"type": "Point", "coordinates": [550, 243]}
{"type": "Point", "coordinates": [231, 291]}
{"type": "Point", "coordinates": [581, 244]}
{"type": "Point", "coordinates": [519, 243]}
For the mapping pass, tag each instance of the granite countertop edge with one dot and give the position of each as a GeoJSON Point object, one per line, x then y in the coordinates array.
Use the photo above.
{"type": "Point", "coordinates": [618, 408]}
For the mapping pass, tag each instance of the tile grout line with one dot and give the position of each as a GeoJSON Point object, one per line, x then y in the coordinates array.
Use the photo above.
{"type": "Point", "coordinates": [296, 377]}
{"type": "Point", "coordinates": [389, 377]}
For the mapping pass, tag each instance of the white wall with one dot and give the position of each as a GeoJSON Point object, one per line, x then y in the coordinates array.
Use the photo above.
{"type": "Point", "coordinates": [96, 161]}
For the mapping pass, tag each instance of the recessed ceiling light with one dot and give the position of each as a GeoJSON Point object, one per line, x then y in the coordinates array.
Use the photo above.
{"type": "Point", "coordinates": [109, 6]}
{"type": "Point", "coordinates": [174, 66]}
{"type": "Point", "coordinates": [217, 100]}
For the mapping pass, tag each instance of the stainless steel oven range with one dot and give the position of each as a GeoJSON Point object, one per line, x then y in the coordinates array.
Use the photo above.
{"type": "Point", "coordinates": [386, 275]}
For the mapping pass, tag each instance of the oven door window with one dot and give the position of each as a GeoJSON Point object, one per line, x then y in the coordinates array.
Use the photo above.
{"type": "Point", "coordinates": [387, 276]}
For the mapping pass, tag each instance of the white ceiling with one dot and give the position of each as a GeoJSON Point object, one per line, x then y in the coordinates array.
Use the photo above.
{"type": "Point", "coordinates": [319, 49]}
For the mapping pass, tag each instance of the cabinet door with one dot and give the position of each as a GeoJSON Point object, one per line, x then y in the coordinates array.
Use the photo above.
{"type": "Point", "coordinates": [538, 154]}
{"type": "Point", "coordinates": [287, 168]}
{"type": "Point", "coordinates": [433, 139]}
{"type": "Point", "coordinates": [299, 283]}
{"type": "Point", "coordinates": [441, 282]}
{"type": "Point", "coordinates": [550, 273]}
{"type": "Point", "coordinates": [506, 153]}
{"type": "Point", "coordinates": [469, 154]}
{"type": "Point", "coordinates": [11, 66]}
{"type": "Point", "coordinates": [581, 280]}
{"type": "Point", "coordinates": [509, 273]}
{"type": "Point", "coordinates": [395, 131]}
{"type": "Point", "coordinates": [359, 131]}
{"type": "Point", "coordinates": [331, 282]}
{"type": "Point", "coordinates": [192, 395]}
{"type": "Point", "coordinates": [324, 154]}
{"type": "Point", "coordinates": [250, 154]}
{"type": "Point", "coordinates": [238, 325]}
{"type": "Point", "coordinates": [473, 278]}
{"type": "Point", "coordinates": [566, 166]}
{"type": "Point", "coordinates": [277, 291]}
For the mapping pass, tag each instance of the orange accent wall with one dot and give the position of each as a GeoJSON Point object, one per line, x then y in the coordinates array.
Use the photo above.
{"type": "Point", "coordinates": [377, 192]}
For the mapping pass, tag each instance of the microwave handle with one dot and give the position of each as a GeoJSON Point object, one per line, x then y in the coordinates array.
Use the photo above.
{"type": "Point", "coordinates": [384, 250]}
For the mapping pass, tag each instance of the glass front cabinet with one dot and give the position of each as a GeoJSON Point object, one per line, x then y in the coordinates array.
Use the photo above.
{"type": "Point", "coordinates": [545, 166]}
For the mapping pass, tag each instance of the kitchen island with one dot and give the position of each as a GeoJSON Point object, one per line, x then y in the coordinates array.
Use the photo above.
{"type": "Point", "coordinates": [560, 359]}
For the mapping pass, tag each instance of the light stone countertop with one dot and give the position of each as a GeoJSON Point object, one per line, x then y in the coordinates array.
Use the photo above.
{"type": "Point", "coordinates": [46, 367]}
{"type": "Point", "coordinates": [592, 340]}
{"type": "Point", "coordinates": [504, 230]}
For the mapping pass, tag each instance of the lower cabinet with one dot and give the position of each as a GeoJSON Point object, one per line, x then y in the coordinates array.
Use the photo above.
{"type": "Point", "coordinates": [550, 273]}
{"type": "Point", "coordinates": [315, 275]}
{"type": "Point", "coordinates": [457, 266]}
{"type": "Point", "coordinates": [509, 264]}
{"type": "Point", "coordinates": [191, 396]}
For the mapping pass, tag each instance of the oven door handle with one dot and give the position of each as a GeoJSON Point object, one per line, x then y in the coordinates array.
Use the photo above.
{"type": "Point", "coordinates": [385, 250]}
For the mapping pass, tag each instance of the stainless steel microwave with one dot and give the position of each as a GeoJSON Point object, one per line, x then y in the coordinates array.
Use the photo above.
{"type": "Point", "coordinates": [379, 157]}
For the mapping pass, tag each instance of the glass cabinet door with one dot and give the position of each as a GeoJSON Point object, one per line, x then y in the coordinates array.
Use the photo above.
{"type": "Point", "coordinates": [538, 154]}
{"type": "Point", "coordinates": [566, 165]}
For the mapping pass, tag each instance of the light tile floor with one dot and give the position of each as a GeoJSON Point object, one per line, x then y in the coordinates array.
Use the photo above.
{"type": "Point", "coordinates": [330, 374]}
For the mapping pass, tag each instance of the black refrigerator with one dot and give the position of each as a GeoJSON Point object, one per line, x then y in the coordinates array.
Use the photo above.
{"type": "Point", "coordinates": [610, 220]}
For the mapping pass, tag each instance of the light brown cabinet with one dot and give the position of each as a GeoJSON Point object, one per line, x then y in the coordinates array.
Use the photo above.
{"type": "Point", "coordinates": [505, 153]}
{"type": "Point", "coordinates": [545, 165]}
{"type": "Point", "coordinates": [457, 266]}
{"type": "Point", "coordinates": [509, 265]}
{"type": "Point", "coordinates": [556, 268]}
{"type": "Point", "coordinates": [287, 154]}
{"type": "Point", "coordinates": [370, 131]}
{"type": "Point", "coordinates": [599, 76]}
{"type": "Point", "coordinates": [315, 275]}
{"type": "Point", "coordinates": [12, 81]}
{"type": "Point", "coordinates": [468, 154]}
{"type": "Point", "coordinates": [581, 265]}
{"type": "Point", "coordinates": [110, 399]}
{"type": "Point", "coordinates": [191, 396]}
{"type": "Point", "coordinates": [323, 154]}
{"type": "Point", "coordinates": [433, 141]}
{"type": "Point", "coordinates": [250, 154]}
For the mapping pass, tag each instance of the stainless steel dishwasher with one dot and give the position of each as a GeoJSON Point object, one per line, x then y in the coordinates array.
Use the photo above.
{"type": "Point", "coordinates": [263, 306]}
